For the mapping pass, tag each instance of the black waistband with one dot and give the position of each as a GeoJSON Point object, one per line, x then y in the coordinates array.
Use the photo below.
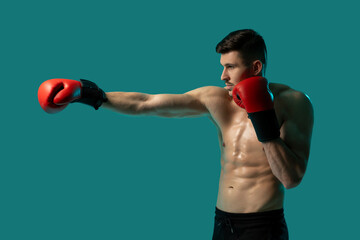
{"type": "Point", "coordinates": [273, 214]}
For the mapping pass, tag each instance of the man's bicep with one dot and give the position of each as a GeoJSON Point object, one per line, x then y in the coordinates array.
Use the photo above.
{"type": "Point", "coordinates": [296, 131]}
{"type": "Point", "coordinates": [175, 105]}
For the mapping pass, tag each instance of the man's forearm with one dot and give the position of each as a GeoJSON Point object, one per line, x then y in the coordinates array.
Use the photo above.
{"type": "Point", "coordinates": [126, 102]}
{"type": "Point", "coordinates": [285, 165]}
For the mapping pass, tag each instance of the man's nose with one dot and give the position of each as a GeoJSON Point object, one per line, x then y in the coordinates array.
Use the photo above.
{"type": "Point", "coordinates": [224, 75]}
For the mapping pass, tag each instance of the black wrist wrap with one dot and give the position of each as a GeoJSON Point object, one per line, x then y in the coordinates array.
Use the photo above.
{"type": "Point", "coordinates": [265, 124]}
{"type": "Point", "coordinates": [91, 94]}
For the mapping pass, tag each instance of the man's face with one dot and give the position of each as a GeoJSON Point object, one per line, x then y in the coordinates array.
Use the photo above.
{"type": "Point", "coordinates": [234, 70]}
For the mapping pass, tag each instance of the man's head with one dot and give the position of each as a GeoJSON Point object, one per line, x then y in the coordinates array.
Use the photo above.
{"type": "Point", "coordinates": [243, 55]}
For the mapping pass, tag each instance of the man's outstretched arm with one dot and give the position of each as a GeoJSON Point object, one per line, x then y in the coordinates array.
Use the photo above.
{"type": "Point", "coordinates": [56, 94]}
{"type": "Point", "coordinates": [163, 105]}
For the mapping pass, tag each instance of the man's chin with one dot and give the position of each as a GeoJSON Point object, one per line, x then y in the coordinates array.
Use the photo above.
{"type": "Point", "coordinates": [229, 89]}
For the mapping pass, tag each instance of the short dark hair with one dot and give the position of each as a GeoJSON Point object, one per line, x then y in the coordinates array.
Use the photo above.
{"type": "Point", "coordinates": [246, 41]}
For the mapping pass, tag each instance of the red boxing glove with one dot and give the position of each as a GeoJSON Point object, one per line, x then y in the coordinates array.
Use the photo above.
{"type": "Point", "coordinates": [254, 95]}
{"type": "Point", "coordinates": [55, 94]}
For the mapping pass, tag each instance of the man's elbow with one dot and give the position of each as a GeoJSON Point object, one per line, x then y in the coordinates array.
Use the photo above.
{"type": "Point", "coordinates": [294, 179]}
{"type": "Point", "coordinates": [292, 183]}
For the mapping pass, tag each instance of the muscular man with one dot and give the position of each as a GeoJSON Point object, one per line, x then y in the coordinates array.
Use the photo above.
{"type": "Point", "coordinates": [264, 131]}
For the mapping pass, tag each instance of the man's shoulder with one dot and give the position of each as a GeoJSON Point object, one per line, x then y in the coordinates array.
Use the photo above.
{"type": "Point", "coordinates": [209, 92]}
{"type": "Point", "coordinates": [290, 100]}
{"type": "Point", "coordinates": [210, 89]}
{"type": "Point", "coordinates": [286, 94]}
{"type": "Point", "coordinates": [215, 99]}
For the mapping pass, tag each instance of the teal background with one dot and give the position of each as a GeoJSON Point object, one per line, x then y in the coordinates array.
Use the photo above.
{"type": "Point", "coordinates": [81, 174]}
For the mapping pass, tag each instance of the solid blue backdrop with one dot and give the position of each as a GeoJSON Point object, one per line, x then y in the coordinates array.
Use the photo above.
{"type": "Point", "coordinates": [85, 174]}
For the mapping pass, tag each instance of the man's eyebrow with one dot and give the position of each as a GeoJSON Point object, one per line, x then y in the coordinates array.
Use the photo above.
{"type": "Point", "coordinates": [228, 64]}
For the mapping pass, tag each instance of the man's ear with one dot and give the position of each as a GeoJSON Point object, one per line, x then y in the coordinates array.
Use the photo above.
{"type": "Point", "coordinates": [257, 66]}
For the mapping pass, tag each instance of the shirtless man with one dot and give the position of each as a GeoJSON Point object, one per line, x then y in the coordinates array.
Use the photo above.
{"type": "Point", "coordinates": [264, 132]}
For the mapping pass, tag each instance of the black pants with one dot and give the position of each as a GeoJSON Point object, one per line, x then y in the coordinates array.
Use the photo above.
{"type": "Point", "coordinates": [268, 225]}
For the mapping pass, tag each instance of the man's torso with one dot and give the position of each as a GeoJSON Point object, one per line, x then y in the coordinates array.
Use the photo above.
{"type": "Point", "coordinates": [246, 180]}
